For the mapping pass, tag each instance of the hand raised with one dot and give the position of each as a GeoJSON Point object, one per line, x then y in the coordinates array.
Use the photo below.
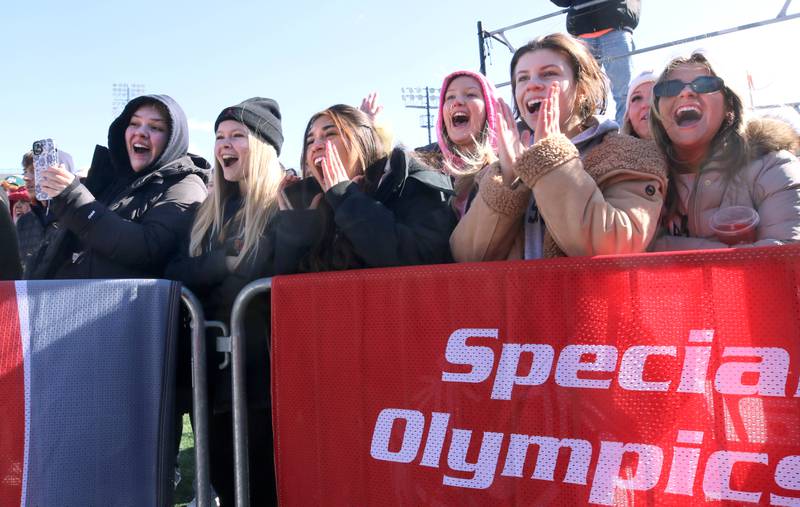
{"type": "Point", "coordinates": [288, 179]}
{"type": "Point", "coordinates": [548, 122]}
{"type": "Point", "coordinates": [332, 168]}
{"type": "Point", "coordinates": [509, 145]}
{"type": "Point", "coordinates": [371, 107]}
{"type": "Point", "coordinates": [55, 179]}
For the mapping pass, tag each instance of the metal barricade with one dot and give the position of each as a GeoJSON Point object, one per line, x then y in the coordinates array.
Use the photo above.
{"type": "Point", "coordinates": [240, 455]}
{"type": "Point", "coordinates": [199, 397]}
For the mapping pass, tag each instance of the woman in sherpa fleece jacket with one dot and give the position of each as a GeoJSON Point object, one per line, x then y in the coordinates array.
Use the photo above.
{"type": "Point", "coordinates": [581, 188]}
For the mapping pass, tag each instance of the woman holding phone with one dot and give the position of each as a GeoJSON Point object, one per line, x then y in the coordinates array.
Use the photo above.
{"type": "Point", "coordinates": [573, 187]}
{"type": "Point", "coordinates": [375, 210]}
{"type": "Point", "coordinates": [127, 219]}
{"type": "Point", "coordinates": [235, 239]}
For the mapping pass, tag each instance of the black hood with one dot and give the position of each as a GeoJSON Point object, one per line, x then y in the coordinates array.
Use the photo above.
{"type": "Point", "coordinates": [177, 145]}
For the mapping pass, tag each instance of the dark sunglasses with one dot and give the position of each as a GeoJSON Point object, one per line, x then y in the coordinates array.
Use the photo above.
{"type": "Point", "coordinates": [702, 84]}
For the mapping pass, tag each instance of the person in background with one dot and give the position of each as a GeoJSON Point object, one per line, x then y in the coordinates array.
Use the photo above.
{"type": "Point", "coordinates": [19, 202]}
{"type": "Point", "coordinates": [607, 27]}
{"type": "Point", "coordinates": [38, 227]}
{"type": "Point", "coordinates": [636, 121]}
{"type": "Point", "coordinates": [581, 188]}
{"type": "Point", "coordinates": [234, 240]}
{"type": "Point", "coordinates": [717, 160]}
{"type": "Point", "coordinates": [375, 210]}
{"type": "Point", "coordinates": [465, 129]}
{"type": "Point", "coordinates": [10, 266]}
{"type": "Point", "coordinates": [127, 219]}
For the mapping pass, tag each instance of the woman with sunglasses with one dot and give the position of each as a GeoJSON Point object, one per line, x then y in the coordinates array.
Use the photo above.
{"type": "Point", "coordinates": [581, 188]}
{"type": "Point", "coordinates": [717, 160]}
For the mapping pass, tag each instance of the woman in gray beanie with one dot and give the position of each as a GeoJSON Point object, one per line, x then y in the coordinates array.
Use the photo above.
{"type": "Point", "coordinates": [232, 243]}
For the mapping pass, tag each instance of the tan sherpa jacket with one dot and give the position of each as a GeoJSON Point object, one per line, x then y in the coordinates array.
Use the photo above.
{"type": "Point", "coordinates": [770, 184]}
{"type": "Point", "coordinates": [607, 203]}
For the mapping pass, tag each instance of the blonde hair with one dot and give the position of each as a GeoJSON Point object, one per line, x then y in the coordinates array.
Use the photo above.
{"type": "Point", "coordinates": [262, 173]}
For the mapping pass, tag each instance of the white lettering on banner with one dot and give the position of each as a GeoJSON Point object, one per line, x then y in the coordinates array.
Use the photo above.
{"type": "Point", "coordinates": [610, 477]}
{"type": "Point", "coordinates": [570, 362]}
{"type": "Point", "coordinates": [717, 479]}
{"type": "Point", "coordinates": [750, 372]}
{"type": "Point", "coordinates": [787, 476]}
{"type": "Point", "coordinates": [772, 369]}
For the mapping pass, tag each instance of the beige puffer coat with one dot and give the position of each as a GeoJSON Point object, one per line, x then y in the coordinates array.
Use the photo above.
{"type": "Point", "coordinates": [770, 184]}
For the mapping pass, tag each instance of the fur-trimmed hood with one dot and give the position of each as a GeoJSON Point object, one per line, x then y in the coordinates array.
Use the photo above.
{"type": "Point", "coordinates": [766, 135]}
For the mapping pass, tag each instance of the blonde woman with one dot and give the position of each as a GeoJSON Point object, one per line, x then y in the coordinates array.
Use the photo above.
{"type": "Point", "coordinates": [233, 242]}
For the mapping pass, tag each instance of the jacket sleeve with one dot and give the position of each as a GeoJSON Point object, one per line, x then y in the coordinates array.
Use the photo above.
{"type": "Point", "coordinates": [667, 243]}
{"type": "Point", "coordinates": [415, 231]}
{"type": "Point", "coordinates": [491, 225]}
{"type": "Point", "coordinates": [148, 242]}
{"type": "Point", "coordinates": [583, 218]}
{"type": "Point", "coordinates": [205, 270]}
{"type": "Point", "coordinates": [776, 194]}
{"type": "Point", "coordinates": [10, 267]}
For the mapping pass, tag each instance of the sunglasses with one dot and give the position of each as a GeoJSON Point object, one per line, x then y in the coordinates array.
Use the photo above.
{"type": "Point", "coordinates": [702, 84]}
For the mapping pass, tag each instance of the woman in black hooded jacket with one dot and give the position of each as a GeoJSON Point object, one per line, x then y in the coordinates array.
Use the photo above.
{"type": "Point", "coordinates": [129, 216]}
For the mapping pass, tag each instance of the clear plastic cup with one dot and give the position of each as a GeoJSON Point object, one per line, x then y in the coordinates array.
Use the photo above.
{"type": "Point", "coordinates": [735, 224]}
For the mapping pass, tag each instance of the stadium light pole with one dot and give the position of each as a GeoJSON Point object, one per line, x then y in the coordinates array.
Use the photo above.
{"type": "Point", "coordinates": [122, 93]}
{"type": "Point", "coordinates": [426, 98]}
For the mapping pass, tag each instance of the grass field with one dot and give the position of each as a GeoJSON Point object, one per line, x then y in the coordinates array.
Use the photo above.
{"type": "Point", "coordinates": [184, 493]}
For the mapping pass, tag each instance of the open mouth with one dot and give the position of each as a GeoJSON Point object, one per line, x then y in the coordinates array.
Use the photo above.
{"type": "Point", "coordinates": [533, 105]}
{"type": "Point", "coordinates": [140, 149]}
{"type": "Point", "coordinates": [229, 160]}
{"type": "Point", "coordinates": [687, 116]}
{"type": "Point", "coordinates": [460, 119]}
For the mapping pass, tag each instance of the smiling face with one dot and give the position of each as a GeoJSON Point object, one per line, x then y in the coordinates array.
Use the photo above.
{"type": "Point", "coordinates": [534, 73]}
{"type": "Point", "coordinates": [146, 136]}
{"type": "Point", "coordinates": [691, 119]}
{"type": "Point", "coordinates": [231, 149]}
{"type": "Point", "coordinates": [464, 111]}
{"type": "Point", "coordinates": [639, 109]}
{"type": "Point", "coordinates": [319, 132]}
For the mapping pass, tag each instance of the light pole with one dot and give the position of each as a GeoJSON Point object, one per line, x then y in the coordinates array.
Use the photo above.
{"type": "Point", "coordinates": [426, 98]}
{"type": "Point", "coordinates": [122, 93]}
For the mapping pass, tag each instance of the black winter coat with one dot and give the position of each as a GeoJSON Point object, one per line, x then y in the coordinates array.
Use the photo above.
{"type": "Point", "coordinates": [10, 267]}
{"type": "Point", "coordinates": [616, 14]}
{"type": "Point", "coordinates": [124, 224]}
{"type": "Point", "coordinates": [406, 221]}
{"type": "Point", "coordinates": [209, 278]}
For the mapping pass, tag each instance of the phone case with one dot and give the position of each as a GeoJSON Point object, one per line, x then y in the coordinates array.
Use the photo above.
{"type": "Point", "coordinates": [45, 155]}
{"type": "Point", "coordinates": [300, 194]}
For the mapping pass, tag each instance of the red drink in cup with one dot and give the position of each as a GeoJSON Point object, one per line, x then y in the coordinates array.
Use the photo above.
{"type": "Point", "coordinates": [735, 224]}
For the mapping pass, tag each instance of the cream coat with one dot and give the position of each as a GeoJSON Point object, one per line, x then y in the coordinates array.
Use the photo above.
{"type": "Point", "coordinates": [606, 203]}
{"type": "Point", "coordinates": [770, 184]}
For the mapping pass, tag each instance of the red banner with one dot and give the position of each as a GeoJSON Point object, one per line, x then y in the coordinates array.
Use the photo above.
{"type": "Point", "coordinates": [652, 379]}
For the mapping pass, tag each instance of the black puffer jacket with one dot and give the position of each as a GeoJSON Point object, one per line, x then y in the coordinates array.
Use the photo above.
{"type": "Point", "coordinates": [121, 223]}
{"type": "Point", "coordinates": [10, 267]}
{"type": "Point", "coordinates": [616, 14]}
{"type": "Point", "coordinates": [406, 221]}
{"type": "Point", "coordinates": [217, 286]}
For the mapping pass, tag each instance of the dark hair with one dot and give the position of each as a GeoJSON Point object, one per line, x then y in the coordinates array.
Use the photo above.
{"type": "Point", "coordinates": [27, 159]}
{"type": "Point", "coordinates": [591, 84]}
{"type": "Point", "coordinates": [331, 251]}
{"type": "Point", "coordinates": [728, 146]}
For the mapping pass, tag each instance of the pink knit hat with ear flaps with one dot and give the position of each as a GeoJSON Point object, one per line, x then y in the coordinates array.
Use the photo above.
{"type": "Point", "coordinates": [492, 107]}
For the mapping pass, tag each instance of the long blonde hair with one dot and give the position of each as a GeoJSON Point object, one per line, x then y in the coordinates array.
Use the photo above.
{"type": "Point", "coordinates": [262, 173]}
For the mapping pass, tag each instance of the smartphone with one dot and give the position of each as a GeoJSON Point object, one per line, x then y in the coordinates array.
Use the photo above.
{"type": "Point", "coordinates": [300, 194]}
{"type": "Point", "coordinates": [45, 155]}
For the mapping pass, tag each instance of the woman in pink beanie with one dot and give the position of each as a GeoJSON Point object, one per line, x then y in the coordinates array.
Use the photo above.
{"type": "Point", "coordinates": [465, 129]}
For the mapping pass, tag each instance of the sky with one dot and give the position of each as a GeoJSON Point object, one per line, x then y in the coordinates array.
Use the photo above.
{"type": "Point", "coordinates": [58, 60]}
